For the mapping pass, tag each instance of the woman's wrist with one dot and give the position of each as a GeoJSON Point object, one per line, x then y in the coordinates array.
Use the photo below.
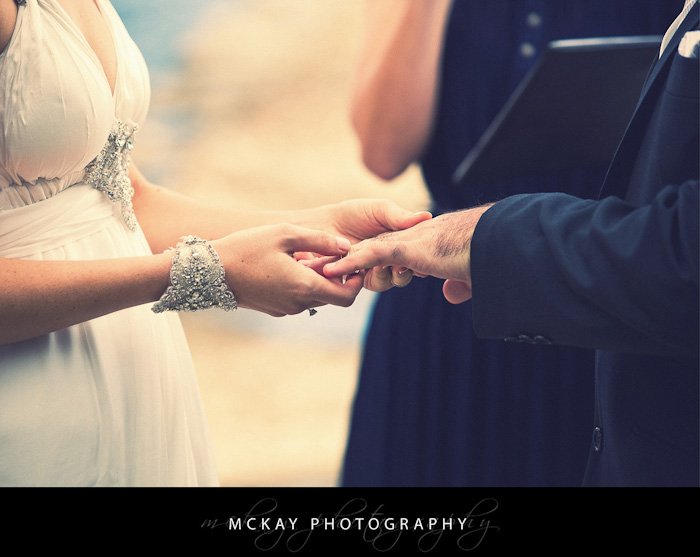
{"type": "Point", "coordinates": [197, 279]}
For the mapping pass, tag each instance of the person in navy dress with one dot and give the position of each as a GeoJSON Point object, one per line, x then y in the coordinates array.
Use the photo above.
{"type": "Point", "coordinates": [433, 408]}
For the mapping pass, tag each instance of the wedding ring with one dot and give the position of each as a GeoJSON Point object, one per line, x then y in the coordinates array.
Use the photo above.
{"type": "Point", "coordinates": [312, 312]}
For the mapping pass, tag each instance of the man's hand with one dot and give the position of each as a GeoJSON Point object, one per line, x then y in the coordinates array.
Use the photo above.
{"type": "Point", "coordinates": [439, 247]}
{"type": "Point", "coordinates": [357, 220]}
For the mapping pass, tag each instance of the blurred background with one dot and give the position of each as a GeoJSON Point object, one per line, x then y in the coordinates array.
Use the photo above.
{"type": "Point", "coordinates": [250, 107]}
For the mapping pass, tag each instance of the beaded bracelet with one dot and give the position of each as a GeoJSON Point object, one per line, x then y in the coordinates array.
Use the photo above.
{"type": "Point", "coordinates": [196, 279]}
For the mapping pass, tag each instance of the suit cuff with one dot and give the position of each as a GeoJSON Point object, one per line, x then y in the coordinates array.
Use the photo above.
{"type": "Point", "coordinates": [493, 259]}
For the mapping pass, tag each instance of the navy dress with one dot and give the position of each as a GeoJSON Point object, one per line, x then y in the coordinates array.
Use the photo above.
{"type": "Point", "coordinates": [435, 406]}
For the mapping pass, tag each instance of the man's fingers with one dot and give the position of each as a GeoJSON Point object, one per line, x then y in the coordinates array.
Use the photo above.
{"type": "Point", "coordinates": [365, 255]}
{"type": "Point", "coordinates": [401, 276]}
{"type": "Point", "coordinates": [456, 291]}
{"type": "Point", "coordinates": [378, 279]}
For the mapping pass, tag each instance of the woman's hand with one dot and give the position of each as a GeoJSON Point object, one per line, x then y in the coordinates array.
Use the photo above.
{"type": "Point", "coordinates": [359, 219]}
{"type": "Point", "coordinates": [264, 276]}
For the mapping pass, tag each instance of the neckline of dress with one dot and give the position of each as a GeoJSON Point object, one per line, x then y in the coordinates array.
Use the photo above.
{"type": "Point", "coordinates": [79, 32]}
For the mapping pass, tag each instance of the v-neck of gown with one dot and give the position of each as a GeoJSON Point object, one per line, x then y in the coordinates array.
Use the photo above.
{"type": "Point", "coordinates": [81, 35]}
{"type": "Point", "coordinates": [49, 58]}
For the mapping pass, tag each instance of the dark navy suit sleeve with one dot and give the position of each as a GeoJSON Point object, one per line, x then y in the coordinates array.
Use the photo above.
{"type": "Point", "coordinates": [602, 274]}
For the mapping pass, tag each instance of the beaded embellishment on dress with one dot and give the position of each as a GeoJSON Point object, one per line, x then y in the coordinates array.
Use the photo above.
{"type": "Point", "coordinates": [109, 171]}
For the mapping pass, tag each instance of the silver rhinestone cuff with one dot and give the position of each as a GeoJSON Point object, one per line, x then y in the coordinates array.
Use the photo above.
{"type": "Point", "coordinates": [196, 279]}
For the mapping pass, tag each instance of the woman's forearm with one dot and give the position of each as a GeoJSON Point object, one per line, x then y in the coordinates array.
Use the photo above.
{"type": "Point", "coordinates": [166, 215]}
{"type": "Point", "coordinates": [397, 83]}
{"type": "Point", "coordinates": [38, 297]}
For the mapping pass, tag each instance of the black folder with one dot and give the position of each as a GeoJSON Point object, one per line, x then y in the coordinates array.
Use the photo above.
{"type": "Point", "coordinates": [570, 110]}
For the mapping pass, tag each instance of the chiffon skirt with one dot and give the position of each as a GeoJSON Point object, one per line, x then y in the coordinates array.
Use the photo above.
{"type": "Point", "coordinates": [109, 402]}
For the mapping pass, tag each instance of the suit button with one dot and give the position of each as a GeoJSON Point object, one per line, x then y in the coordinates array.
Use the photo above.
{"type": "Point", "coordinates": [534, 20]}
{"type": "Point", "coordinates": [597, 439]}
{"type": "Point", "coordinates": [527, 50]}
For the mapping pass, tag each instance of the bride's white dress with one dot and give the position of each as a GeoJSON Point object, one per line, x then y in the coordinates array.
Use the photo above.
{"type": "Point", "coordinates": [113, 401]}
